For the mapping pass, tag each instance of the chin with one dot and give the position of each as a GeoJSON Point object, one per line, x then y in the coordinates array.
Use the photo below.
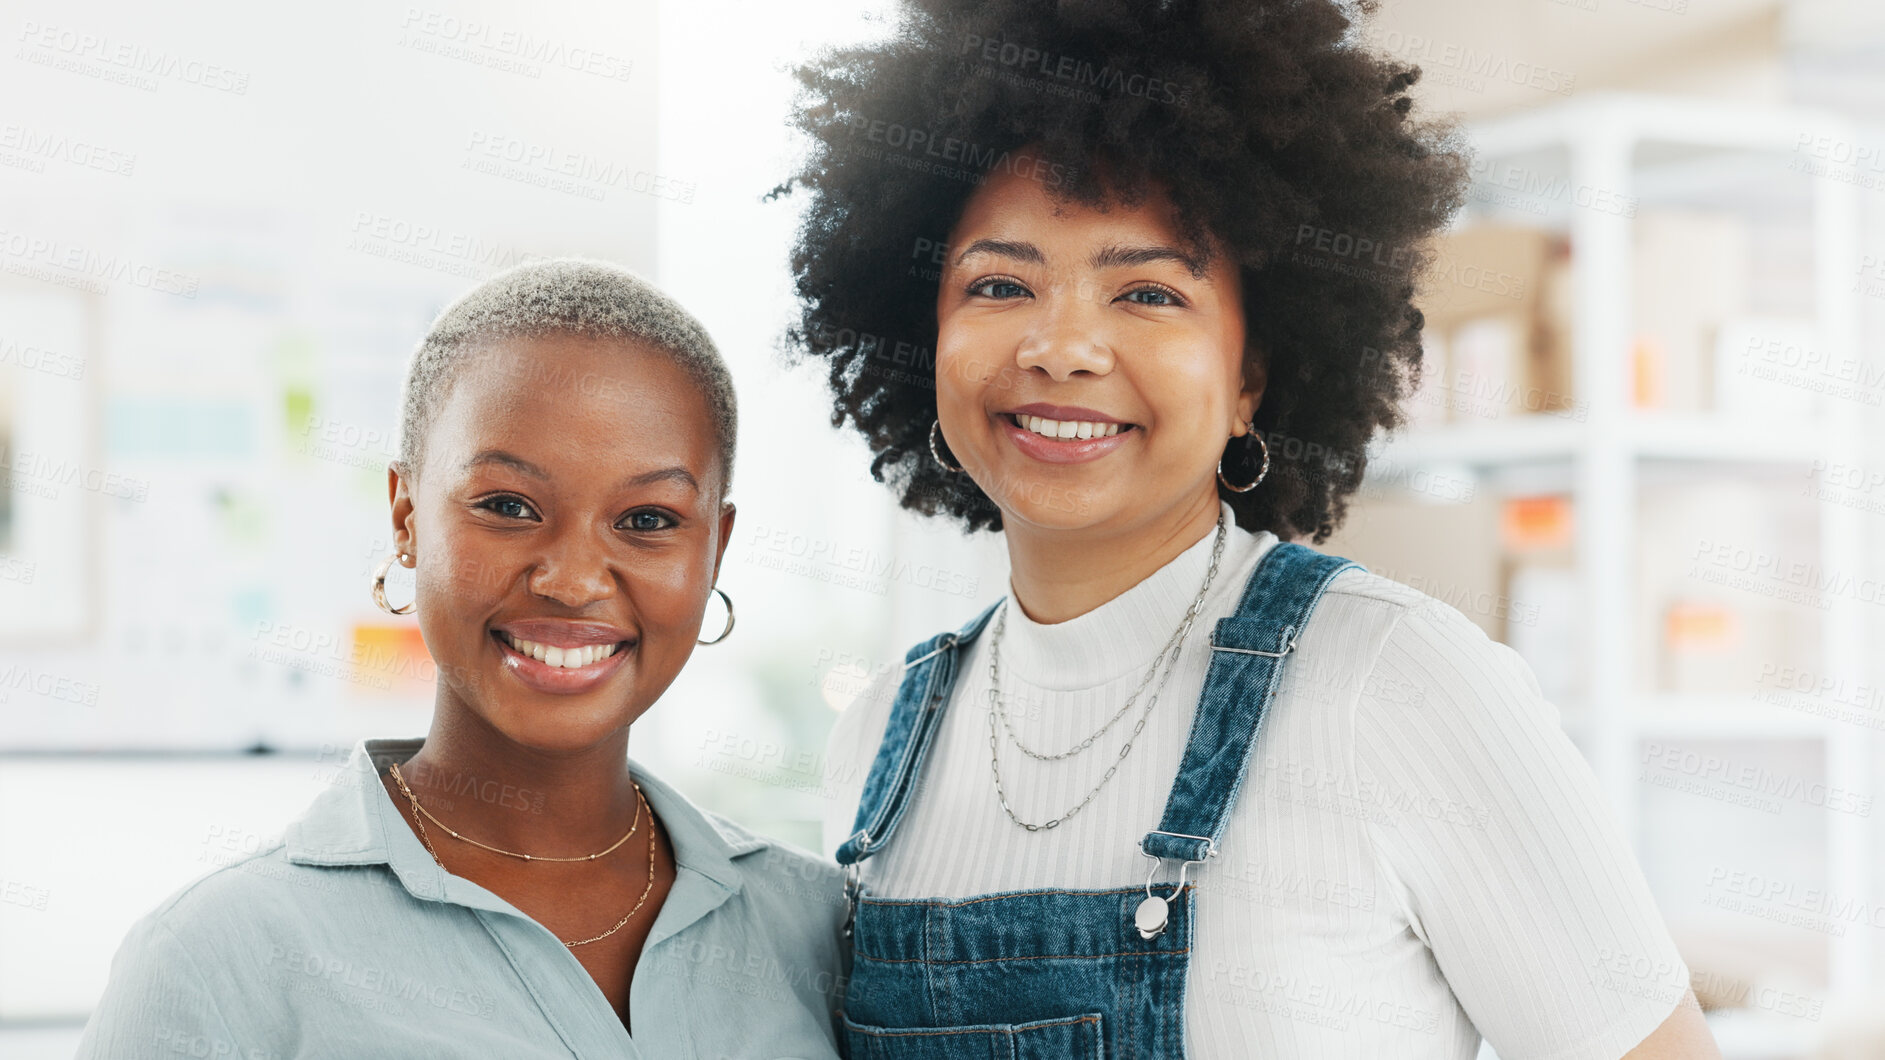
{"type": "Point", "coordinates": [1054, 506]}
{"type": "Point", "coordinates": [557, 728]}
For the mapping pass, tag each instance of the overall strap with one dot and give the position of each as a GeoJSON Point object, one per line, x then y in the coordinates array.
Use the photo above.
{"type": "Point", "coordinates": [929, 676]}
{"type": "Point", "coordinates": [1247, 653]}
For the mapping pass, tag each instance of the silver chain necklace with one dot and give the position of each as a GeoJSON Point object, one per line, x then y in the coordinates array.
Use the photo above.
{"type": "Point", "coordinates": [998, 714]}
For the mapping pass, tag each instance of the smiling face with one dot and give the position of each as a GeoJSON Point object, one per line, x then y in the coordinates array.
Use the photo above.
{"type": "Point", "coordinates": [1087, 375]}
{"type": "Point", "coordinates": [567, 526]}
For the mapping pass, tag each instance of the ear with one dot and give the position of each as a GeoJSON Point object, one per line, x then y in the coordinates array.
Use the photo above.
{"type": "Point", "coordinates": [399, 493]}
{"type": "Point", "coordinates": [726, 534]}
{"type": "Point", "coordinates": [1256, 376]}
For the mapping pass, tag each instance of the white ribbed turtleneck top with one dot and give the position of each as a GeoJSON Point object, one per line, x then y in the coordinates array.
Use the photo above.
{"type": "Point", "coordinates": [1419, 855]}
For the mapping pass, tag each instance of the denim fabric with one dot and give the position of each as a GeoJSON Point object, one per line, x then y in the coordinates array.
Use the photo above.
{"type": "Point", "coordinates": [930, 675]}
{"type": "Point", "coordinates": [953, 979]}
{"type": "Point", "coordinates": [1059, 973]}
{"type": "Point", "coordinates": [1276, 604]}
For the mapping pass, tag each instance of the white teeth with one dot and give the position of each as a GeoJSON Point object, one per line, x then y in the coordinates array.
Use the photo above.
{"type": "Point", "coordinates": [1047, 428]}
{"type": "Point", "coordinates": [563, 658]}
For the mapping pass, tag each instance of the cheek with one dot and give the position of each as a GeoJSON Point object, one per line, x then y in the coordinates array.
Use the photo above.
{"type": "Point", "coordinates": [669, 593]}
{"type": "Point", "coordinates": [669, 585]}
{"type": "Point", "coordinates": [970, 359]}
{"type": "Point", "coordinates": [1190, 389]}
{"type": "Point", "coordinates": [457, 589]}
{"type": "Point", "coordinates": [669, 607]}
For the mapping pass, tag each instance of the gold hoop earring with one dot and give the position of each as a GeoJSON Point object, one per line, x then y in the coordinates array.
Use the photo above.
{"type": "Point", "coordinates": [723, 633]}
{"type": "Point", "coordinates": [1262, 471]}
{"type": "Point", "coordinates": [935, 448]}
{"type": "Point", "coordinates": [379, 587]}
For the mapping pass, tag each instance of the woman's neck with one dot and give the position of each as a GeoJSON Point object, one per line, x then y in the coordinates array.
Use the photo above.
{"type": "Point", "coordinates": [1057, 575]}
{"type": "Point", "coordinates": [519, 798]}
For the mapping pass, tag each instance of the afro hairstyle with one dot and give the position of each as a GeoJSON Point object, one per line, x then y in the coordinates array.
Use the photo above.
{"type": "Point", "coordinates": [1273, 130]}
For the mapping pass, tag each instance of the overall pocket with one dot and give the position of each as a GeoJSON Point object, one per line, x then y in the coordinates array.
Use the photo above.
{"type": "Point", "coordinates": [1068, 1038]}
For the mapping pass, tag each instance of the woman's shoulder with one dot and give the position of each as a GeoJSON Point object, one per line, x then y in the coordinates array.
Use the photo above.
{"type": "Point", "coordinates": [1360, 583]}
{"type": "Point", "coordinates": [1414, 613]}
{"type": "Point", "coordinates": [862, 722]}
{"type": "Point", "coordinates": [251, 897]}
{"type": "Point", "coordinates": [218, 937]}
{"type": "Point", "coordinates": [1361, 613]}
{"type": "Point", "coordinates": [781, 881]}
{"type": "Point", "coordinates": [1416, 649]}
{"type": "Point", "coordinates": [775, 858]}
{"type": "Point", "coordinates": [1436, 687]}
{"type": "Point", "coordinates": [792, 904]}
{"type": "Point", "coordinates": [794, 880]}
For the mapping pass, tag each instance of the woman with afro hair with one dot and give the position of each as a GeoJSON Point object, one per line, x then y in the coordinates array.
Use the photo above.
{"type": "Point", "coordinates": [1133, 283]}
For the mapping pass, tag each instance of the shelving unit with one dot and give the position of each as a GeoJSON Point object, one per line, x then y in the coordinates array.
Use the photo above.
{"type": "Point", "coordinates": [1542, 437]}
{"type": "Point", "coordinates": [1672, 148]}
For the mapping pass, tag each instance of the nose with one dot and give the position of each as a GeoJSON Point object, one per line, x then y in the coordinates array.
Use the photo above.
{"type": "Point", "coordinates": [573, 571]}
{"type": "Point", "coordinates": [1069, 334]}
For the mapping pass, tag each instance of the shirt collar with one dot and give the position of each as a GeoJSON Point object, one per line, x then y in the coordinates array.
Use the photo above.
{"type": "Point", "coordinates": [355, 822]}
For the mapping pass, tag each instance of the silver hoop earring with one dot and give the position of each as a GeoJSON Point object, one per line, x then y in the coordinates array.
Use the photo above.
{"type": "Point", "coordinates": [1262, 471]}
{"type": "Point", "coordinates": [379, 587]}
{"type": "Point", "coordinates": [723, 633]}
{"type": "Point", "coordinates": [935, 448]}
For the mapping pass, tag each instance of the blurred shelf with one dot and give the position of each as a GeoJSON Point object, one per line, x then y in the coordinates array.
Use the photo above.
{"type": "Point", "coordinates": [1719, 718]}
{"type": "Point", "coordinates": [1547, 437]}
{"type": "Point", "coordinates": [1720, 438]}
{"type": "Point", "coordinates": [1702, 126]}
{"type": "Point", "coordinates": [1661, 716]}
{"type": "Point", "coordinates": [1556, 162]}
{"type": "Point", "coordinates": [1519, 439]}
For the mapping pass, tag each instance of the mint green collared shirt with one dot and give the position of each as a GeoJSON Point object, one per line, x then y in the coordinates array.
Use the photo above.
{"type": "Point", "coordinates": [347, 940]}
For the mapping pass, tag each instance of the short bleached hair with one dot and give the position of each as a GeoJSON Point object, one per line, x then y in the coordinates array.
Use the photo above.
{"type": "Point", "coordinates": [575, 296]}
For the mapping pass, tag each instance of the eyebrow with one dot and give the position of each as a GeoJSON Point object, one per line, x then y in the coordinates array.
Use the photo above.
{"type": "Point", "coordinates": [1007, 248]}
{"type": "Point", "coordinates": [510, 460]}
{"type": "Point", "coordinates": [1119, 256]}
{"type": "Point", "coordinates": [674, 473]}
{"type": "Point", "coordinates": [1112, 256]}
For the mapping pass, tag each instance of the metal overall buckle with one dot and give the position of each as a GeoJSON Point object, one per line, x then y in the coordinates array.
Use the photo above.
{"type": "Point", "coordinates": [1154, 913]}
{"type": "Point", "coordinates": [853, 884]}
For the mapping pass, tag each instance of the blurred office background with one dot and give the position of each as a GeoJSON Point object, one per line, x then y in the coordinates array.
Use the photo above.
{"type": "Point", "coordinates": [1648, 453]}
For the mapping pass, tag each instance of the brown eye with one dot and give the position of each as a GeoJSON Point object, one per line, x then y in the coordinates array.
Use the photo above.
{"type": "Point", "coordinates": [647, 521]}
{"type": "Point", "coordinates": [1160, 296]}
{"type": "Point", "coordinates": [1008, 289]}
{"type": "Point", "coordinates": [508, 506]}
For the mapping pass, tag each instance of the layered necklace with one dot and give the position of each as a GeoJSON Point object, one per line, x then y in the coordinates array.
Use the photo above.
{"type": "Point", "coordinates": [422, 815]}
{"type": "Point", "coordinates": [998, 719]}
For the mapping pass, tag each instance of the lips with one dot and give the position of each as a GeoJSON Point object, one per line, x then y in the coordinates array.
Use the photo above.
{"type": "Point", "coordinates": [1047, 428]}
{"type": "Point", "coordinates": [1064, 412]}
{"type": "Point", "coordinates": [571, 658]}
{"type": "Point", "coordinates": [1064, 434]}
{"type": "Point", "coordinates": [561, 657]}
{"type": "Point", "coordinates": [563, 633]}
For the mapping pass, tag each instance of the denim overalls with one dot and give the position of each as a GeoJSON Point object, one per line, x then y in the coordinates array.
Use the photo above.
{"type": "Point", "coordinates": [1034, 975]}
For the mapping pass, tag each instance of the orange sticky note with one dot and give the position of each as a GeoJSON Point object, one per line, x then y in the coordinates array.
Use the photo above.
{"type": "Point", "coordinates": [1530, 524]}
{"type": "Point", "coordinates": [1701, 625]}
{"type": "Point", "coordinates": [388, 658]}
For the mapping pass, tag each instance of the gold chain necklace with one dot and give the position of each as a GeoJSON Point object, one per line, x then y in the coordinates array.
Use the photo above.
{"type": "Point", "coordinates": [640, 801]}
{"type": "Point", "coordinates": [401, 781]}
